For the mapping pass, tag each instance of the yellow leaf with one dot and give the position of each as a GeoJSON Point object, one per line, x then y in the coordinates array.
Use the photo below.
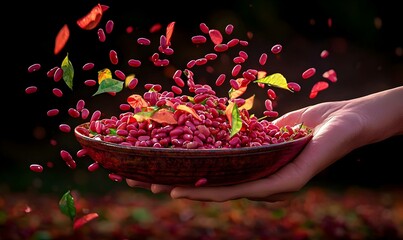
{"type": "Point", "coordinates": [275, 80]}
{"type": "Point", "coordinates": [248, 103]}
{"type": "Point", "coordinates": [189, 110]}
{"type": "Point", "coordinates": [104, 74]}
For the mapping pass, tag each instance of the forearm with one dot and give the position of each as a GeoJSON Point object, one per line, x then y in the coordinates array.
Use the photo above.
{"type": "Point", "coordinates": [382, 114]}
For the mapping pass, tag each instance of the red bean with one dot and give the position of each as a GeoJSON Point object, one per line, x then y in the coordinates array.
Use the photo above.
{"type": "Point", "coordinates": [199, 39]}
{"type": "Point", "coordinates": [294, 86]}
{"type": "Point", "coordinates": [119, 74]}
{"type": "Point", "coordinates": [276, 49]}
{"type": "Point", "coordinates": [81, 153]}
{"type": "Point", "coordinates": [34, 67]}
{"type": "Point", "coordinates": [36, 168]}
{"type": "Point", "coordinates": [210, 56]}
{"type": "Point", "coordinates": [243, 43]}
{"type": "Point", "coordinates": [308, 73]}
{"type": "Point", "coordinates": [80, 105]}
{"type": "Point", "coordinates": [93, 167]}
{"type": "Point", "coordinates": [124, 107]}
{"type": "Point", "coordinates": [271, 94]}
{"type": "Point", "coordinates": [52, 112]}
{"type": "Point", "coordinates": [31, 89]}
{"type": "Point", "coordinates": [133, 83]}
{"type": "Point", "coordinates": [115, 177]}
{"type": "Point", "coordinates": [85, 113]}
{"type": "Point", "coordinates": [220, 80]}
{"type": "Point", "coordinates": [95, 115]}
{"type": "Point", "coordinates": [90, 82]}
{"type": "Point", "coordinates": [113, 57]}
{"type": "Point", "coordinates": [177, 90]}
{"type": "Point", "coordinates": [64, 128]}
{"type": "Point", "coordinates": [191, 63]}
{"type": "Point", "coordinates": [268, 104]}
{"type": "Point", "coordinates": [134, 63]}
{"type": "Point", "coordinates": [236, 69]}
{"type": "Point", "coordinates": [233, 42]}
{"type": "Point", "coordinates": [88, 66]}
{"type": "Point", "coordinates": [66, 156]}
{"type": "Point", "coordinates": [238, 60]}
{"type": "Point", "coordinates": [51, 72]}
{"type": "Point", "coordinates": [109, 26]}
{"type": "Point", "coordinates": [143, 41]}
{"type": "Point", "coordinates": [221, 47]}
{"type": "Point", "coordinates": [101, 35]}
{"type": "Point", "coordinates": [263, 59]}
{"type": "Point", "coordinates": [215, 36]}
{"type": "Point", "coordinates": [57, 92]}
{"type": "Point", "coordinates": [324, 54]}
{"type": "Point", "coordinates": [204, 28]}
{"type": "Point", "coordinates": [58, 74]}
{"type": "Point", "coordinates": [229, 28]}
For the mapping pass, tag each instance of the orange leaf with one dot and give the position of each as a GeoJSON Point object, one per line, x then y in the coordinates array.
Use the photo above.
{"type": "Point", "coordinates": [61, 38]}
{"type": "Point", "coordinates": [84, 219]}
{"type": "Point", "coordinates": [92, 19]}
{"type": "Point", "coordinates": [164, 116]}
{"type": "Point", "coordinates": [189, 110]}
{"type": "Point", "coordinates": [137, 101]}
{"type": "Point", "coordinates": [170, 30]}
{"type": "Point", "coordinates": [228, 112]}
{"type": "Point", "coordinates": [248, 103]}
{"type": "Point", "coordinates": [243, 85]}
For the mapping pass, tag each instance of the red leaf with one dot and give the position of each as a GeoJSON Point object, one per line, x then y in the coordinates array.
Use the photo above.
{"type": "Point", "coordinates": [92, 19]}
{"type": "Point", "coordinates": [319, 86]}
{"type": "Point", "coordinates": [170, 30]}
{"type": "Point", "coordinates": [136, 100]}
{"type": "Point", "coordinates": [61, 39]}
{"type": "Point", "coordinates": [83, 220]}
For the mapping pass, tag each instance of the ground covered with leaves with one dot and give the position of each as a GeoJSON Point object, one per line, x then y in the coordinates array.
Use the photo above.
{"type": "Point", "coordinates": [316, 213]}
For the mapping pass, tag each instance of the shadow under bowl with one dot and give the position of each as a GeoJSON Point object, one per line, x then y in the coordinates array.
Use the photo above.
{"type": "Point", "coordinates": [185, 167]}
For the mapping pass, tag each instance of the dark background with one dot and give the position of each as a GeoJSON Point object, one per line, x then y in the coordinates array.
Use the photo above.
{"type": "Point", "coordinates": [367, 56]}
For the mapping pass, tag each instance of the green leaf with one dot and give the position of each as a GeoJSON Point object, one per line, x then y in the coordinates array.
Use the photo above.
{"type": "Point", "coordinates": [274, 80]}
{"type": "Point", "coordinates": [236, 121]}
{"type": "Point", "coordinates": [68, 72]}
{"type": "Point", "coordinates": [66, 205]}
{"type": "Point", "coordinates": [109, 85]}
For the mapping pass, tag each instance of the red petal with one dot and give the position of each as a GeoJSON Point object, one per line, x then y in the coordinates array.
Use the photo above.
{"type": "Point", "coordinates": [61, 38]}
{"type": "Point", "coordinates": [331, 75]}
{"type": "Point", "coordinates": [84, 219]}
{"type": "Point", "coordinates": [170, 30]}
{"type": "Point", "coordinates": [92, 19]}
{"type": "Point", "coordinates": [319, 86]}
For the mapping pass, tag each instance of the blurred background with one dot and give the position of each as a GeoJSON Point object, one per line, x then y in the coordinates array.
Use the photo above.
{"type": "Point", "coordinates": [365, 47]}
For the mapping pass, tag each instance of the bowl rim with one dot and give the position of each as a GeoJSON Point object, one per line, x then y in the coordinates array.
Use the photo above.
{"type": "Point", "coordinates": [162, 150]}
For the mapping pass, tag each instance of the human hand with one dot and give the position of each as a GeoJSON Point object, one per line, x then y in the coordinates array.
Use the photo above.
{"type": "Point", "coordinates": [338, 128]}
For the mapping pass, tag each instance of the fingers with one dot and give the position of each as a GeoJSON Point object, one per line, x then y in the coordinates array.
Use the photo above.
{"type": "Point", "coordinates": [134, 183]}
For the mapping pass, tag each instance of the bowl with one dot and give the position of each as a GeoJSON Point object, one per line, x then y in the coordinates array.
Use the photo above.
{"type": "Point", "coordinates": [189, 167]}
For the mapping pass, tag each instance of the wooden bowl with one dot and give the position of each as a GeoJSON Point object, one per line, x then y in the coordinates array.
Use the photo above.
{"type": "Point", "coordinates": [185, 167]}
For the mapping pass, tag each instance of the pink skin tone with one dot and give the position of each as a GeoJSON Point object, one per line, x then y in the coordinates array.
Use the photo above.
{"type": "Point", "coordinates": [339, 128]}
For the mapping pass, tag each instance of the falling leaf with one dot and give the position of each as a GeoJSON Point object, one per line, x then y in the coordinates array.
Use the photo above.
{"type": "Point", "coordinates": [66, 205]}
{"type": "Point", "coordinates": [92, 19]}
{"type": "Point", "coordinates": [319, 86]}
{"type": "Point", "coordinates": [169, 31]}
{"type": "Point", "coordinates": [61, 38]}
{"type": "Point", "coordinates": [243, 85]}
{"type": "Point", "coordinates": [128, 79]}
{"type": "Point", "coordinates": [104, 74]}
{"type": "Point", "coordinates": [248, 103]}
{"type": "Point", "coordinates": [109, 85]}
{"type": "Point", "coordinates": [275, 80]}
{"type": "Point", "coordinates": [236, 123]}
{"type": "Point", "coordinates": [137, 101]}
{"type": "Point", "coordinates": [84, 219]}
{"type": "Point", "coordinates": [163, 115]}
{"type": "Point", "coordinates": [68, 72]}
{"type": "Point", "coordinates": [189, 110]}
